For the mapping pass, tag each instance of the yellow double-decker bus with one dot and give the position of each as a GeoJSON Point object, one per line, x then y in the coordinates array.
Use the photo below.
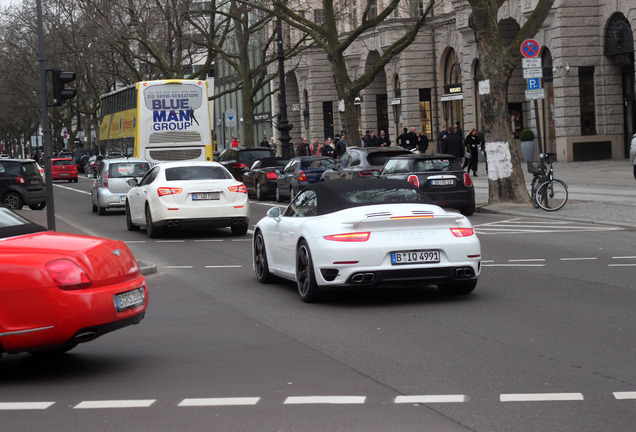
{"type": "Point", "coordinates": [161, 121]}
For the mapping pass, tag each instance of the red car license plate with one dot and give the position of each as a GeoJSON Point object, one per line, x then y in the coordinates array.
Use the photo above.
{"type": "Point", "coordinates": [130, 299]}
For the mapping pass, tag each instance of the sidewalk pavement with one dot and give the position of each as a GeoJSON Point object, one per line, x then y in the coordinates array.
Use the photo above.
{"type": "Point", "coordinates": [601, 192]}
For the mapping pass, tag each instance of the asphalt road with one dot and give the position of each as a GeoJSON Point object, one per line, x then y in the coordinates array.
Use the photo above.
{"type": "Point", "coordinates": [545, 343]}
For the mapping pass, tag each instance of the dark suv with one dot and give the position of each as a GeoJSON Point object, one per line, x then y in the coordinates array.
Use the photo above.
{"type": "Point", "coordinates": [21, 183]}
{"type": "Point", "coordinates": [362, 162]}
{"type": "Point", "coordinates": [239, 159]}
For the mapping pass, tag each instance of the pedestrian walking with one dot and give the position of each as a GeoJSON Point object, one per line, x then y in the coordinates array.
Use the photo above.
{"type": "Point", "coordinates": [411, 140]}
{"type": "Point", "coordinates": [454, 145]}
{"type": "Point", "coordinates": [441, 138]}
{"type": "Point", "coordinates": [341, 146]}
{"type": "Point", "coordinates": [422, 142]}
{"type": "Point", "coordinates": [303, 148]}
{"type": "Point", "coordinates": [384, 139]}
{"type": "Point", "coordinates": [265, 143]}
{"type": "Point", "coordinates": [401, 139]}
{"type": "Point", "coordinates": [472, 144]}
{"type": "Point", "coordinates": [235, 142]}
{"type": "Point", "coordinates": [327, 149]}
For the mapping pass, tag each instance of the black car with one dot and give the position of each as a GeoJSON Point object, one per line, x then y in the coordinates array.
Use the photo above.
{"type": "Point", "coordinates": [21, 183]}
{"type": "Point", "coordinates": [362, 162]}
{"type": "Point", "coordinates": [299, 172]}
{"type": "Point", "coordinates": [260, 178]}
{"type": "Point", "coordinates": [238, 159]}
{"type": "Point", "coordinates": [81, 157]}
{"type": "Point", "coordinates": [440, 176]}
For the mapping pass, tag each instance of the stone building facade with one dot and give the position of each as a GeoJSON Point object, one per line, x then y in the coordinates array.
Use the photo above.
{"type": "Point", "coordinates": [587, 56]}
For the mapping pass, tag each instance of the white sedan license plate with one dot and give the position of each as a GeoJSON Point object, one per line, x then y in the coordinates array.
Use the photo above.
{"type": "Point", "coordinates": [443, 182]}
{"type": "Point", "coordinates": [130, 299]}
{"type": "Point", "coordinates": [205, 196]}
{"type": "Point", "coordinates": [415, 257]}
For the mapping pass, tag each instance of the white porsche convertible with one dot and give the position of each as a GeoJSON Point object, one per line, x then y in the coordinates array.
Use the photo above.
{"type": "Point", "coordinates": [372, 232]}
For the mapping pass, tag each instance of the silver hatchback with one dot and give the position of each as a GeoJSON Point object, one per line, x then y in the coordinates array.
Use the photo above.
{"type": "Point", "coordinates": [111, 182]}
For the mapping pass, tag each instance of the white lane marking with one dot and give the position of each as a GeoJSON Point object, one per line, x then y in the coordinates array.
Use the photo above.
{"type": "Point", "coordinates": [579, 259]}
{"type": "Point", "coordinates": [72, 189]}
{"type": "Point", "coordinates": [487, 261]}
{"type": "Point", "coordinates": [242, 240]}
{"type": "Point", "coordinates": [527, 260]}
{"type": "Point", "coordinates": [335, 400]}
{"type": "Point", "coordinates": [14, 406]}
{"type": "Point", "coordinates": [170, 241]}
{"type": "Point", "coordinates": [139, 403]}
{"type": "Point", "coordinates": [424, 399]}
{"type": "Point", "coordinates": [622, 265]}
{"type": "Point", "coordinates": [180, 267]}
{"type": "Point", "coordinates": [230, 401]}
{"type": "Point", "coordinates": [540, 397]}
{"type": "Point", "coordinates": [624, 257]}
{"type": "Point", "coordinates": [135, 241]}
{"type": "Point", "coordinates": [224, 266]}
{"type": "Point", "coordinates": [513, 265]}
{"type": "Point", "coordinates": [625, 395]}
{"type": "Point", "coordinates": [209, 240]}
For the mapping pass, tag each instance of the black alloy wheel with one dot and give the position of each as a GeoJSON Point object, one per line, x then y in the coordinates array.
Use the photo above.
{"type": "Point", "coordinates": [305, 278]}
{"type": "Point", "coordinates": [129, 223]}
{"type": "Point", "coordinates": [13, 200]}
{"type": "Point", "coordinates": [261, 267]}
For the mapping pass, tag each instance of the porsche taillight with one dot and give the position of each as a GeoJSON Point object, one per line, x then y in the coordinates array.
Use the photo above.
{"type": "Point", "coordinates": [238, 189]}
{"type": "Point", "coordinates": [467, 180]}
{"type": "Point", "coordinates": [302, 176]}
{"type": "Point", "coordinates": [271, 175]}
{"type": "Point", "coordinates": [349, 237]}
{"type": "Point", "coordinates": [414, 180]}
{"type": "Point", "coordinates": [106, 179]}
{"type": "Point", "coordinates": [67, 275]}
{"type": "Point", "coordinates": [168, 191]}
{"type": "Point", "coordinates": [462, 232]}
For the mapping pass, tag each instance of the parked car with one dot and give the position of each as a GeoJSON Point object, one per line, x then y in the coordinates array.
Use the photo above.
{"type": "Point", "coordinates": [81, 157]}
{"type": "Point", "coordinates": [21, 184]}
{"type": "Point", "coordinates": [366, 233]}
{"type": "Point", "coordinates": [4, 156]}
{"type": "Point", "coordinates": [363, 162]}
{"type": "Point", "coordinates": [111, 182]}
{"type": "Point", "coordinates": [237, 160]}
{"type": "Point", "coordinates": [439, 176]}
{"type": "Point", "coordinates": [260, 178]}
{"type": "Point", "coordinates": [176, 195]}
{"type": "Point", "coordinates": [63, 169]}
{"type": "Point", "coordinates": [300, 172]}
{"type": "Point", "coordinates": [59, 290]}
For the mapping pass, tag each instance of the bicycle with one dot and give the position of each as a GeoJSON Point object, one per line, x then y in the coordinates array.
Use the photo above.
{"type": "Point", "coordinates": [548, 193]}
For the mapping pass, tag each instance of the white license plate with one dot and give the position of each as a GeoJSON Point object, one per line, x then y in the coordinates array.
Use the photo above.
{"type": "Point", "coordinates": [130, 299]}
{"type": "Point", "coordinates": [122, 198]}
{"type": "Point", "coordinates": [205, 196]}
{"type": "Point", "coordinates": [443, 182]}
{"type": "Point", "coordinates": [415, 257]}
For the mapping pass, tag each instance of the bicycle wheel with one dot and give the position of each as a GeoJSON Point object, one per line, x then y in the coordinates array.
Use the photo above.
{"type": "Point", "coordinates": [552, 195]}
{"type": "Point", "coordinates": [535, 185]}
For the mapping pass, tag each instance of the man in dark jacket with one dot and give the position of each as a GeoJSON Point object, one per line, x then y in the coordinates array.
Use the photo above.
{"type": "Point", "coordinates": [412, 139]}
{"type": "Point", "coordinates": [454, 144]}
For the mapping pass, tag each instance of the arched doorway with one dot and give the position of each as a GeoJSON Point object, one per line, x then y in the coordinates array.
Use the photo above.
{"type": "Point", "coordinates": [453, 98]}
{"type": "Point", "coordinates": [619, 47]}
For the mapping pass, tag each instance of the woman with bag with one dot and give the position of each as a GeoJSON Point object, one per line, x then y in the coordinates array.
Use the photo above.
{"type": "Point", "coordinates": [472, 152]}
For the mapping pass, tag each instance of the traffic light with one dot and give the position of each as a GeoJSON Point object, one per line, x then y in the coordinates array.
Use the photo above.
{"type": "Point", "coordinates": [60, 93]}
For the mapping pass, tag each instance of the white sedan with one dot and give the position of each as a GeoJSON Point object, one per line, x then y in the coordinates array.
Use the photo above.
{"type": "Point", "coordinates": [372, 232]}
{"type": "Point", "coordinates": [176, 195]}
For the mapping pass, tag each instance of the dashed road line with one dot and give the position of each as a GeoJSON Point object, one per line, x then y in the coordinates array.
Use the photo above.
{"type": "Point", "coordinates": [19, 406]}
{"type": "Point", "coordinates": [527, 260]}
{"type": "Point", "coordinates": [331, 400]}
{"type": "Point", "coordinates": [578, 259]}
{"type": "Point", "coordinates": [513, 265]}
{"type": "Point", "coordinates": [230, 401]}
{"type": "Point", "coordinates": [622, 265]}
{"type": "Point", "coordinates": [223, 266]}
{"type": "Point", "coordinates": [540, 397]}
{"type": "Point", "coordinates": [138, 403]}
{"type": "Point", "coordinates": [180, 267]}
{"type": "Point", "coordinates": [426, 399]}
{"type": "Point", "coordinates": [625, 395]}
{"type": "Point", "coordinates": [624, 257]}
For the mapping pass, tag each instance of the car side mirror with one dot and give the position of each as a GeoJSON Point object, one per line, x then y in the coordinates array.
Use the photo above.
{"type": "Point", "coordinates": [274, 212]}
{"type": "Point", "coordinates": [132, 182]}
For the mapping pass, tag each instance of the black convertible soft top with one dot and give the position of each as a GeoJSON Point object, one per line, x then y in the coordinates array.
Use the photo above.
{"type": "Point", "coordinates": [333, 196]}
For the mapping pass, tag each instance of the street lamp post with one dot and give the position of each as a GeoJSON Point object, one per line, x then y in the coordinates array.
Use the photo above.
{"type": "Point", "coordinates": [283, 124]}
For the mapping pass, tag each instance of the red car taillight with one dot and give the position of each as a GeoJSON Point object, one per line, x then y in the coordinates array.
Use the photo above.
{"type": "Point", "coordinates": [414, 180]}
{"type": "Point", "coordinates": [106, 179]}
{"type": "Point", "coordinates": [302, 176]}
{"type": "Point", "coordinates": [67, 275]}
{"type": "Point", "coordinates": [20, 180]}
{"type": "Point", "coordinates": [349, 237]}
{"type": "Point", "coordinates": [368, 173]}
{"type": "Point", "coordinates": [271, 176]}
{"type": "Point", "coordinates": [462, 232]}
{"type": "Point", "coordinates": [168, 191]}
{"type": "Point", "coordinates": [238, 189]}
{"type": "Point", "coordinates": [238, 165]}
{"type": "Point", "coordinates": [467, 180]}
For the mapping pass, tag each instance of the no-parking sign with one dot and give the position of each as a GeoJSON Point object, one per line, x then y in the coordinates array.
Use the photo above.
{"type": "Point", "coordinates": [530, 48]}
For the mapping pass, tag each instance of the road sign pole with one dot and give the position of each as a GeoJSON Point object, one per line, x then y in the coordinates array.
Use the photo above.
{"type": "Point", "coordinates": [538, 121]}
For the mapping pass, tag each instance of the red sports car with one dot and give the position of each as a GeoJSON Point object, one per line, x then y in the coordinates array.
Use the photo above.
{"type": "Point", "coordinates": [58, 290]}
{"type": "Point", "coordinates": [63, 169]}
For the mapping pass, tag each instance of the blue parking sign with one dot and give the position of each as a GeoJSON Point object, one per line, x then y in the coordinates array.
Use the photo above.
{"type": "Point", "coordinates": [534, 83]}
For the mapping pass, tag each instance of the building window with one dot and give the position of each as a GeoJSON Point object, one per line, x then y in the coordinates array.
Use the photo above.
{"type": "Point", "coordinates": [586, 98]}
{"type": "Point", "coordinates": [373, 8]}
{"type": "Point", "coordinates": [426, 123]}
{"type": "Point", "coordinates": [319, 16]}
